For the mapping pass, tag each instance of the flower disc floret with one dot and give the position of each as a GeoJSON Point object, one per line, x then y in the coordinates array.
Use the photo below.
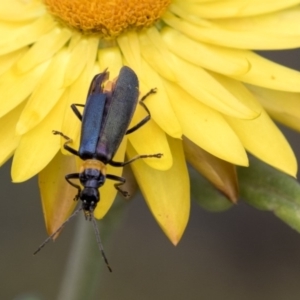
{"type": "Point", "coordinates": [108, 18]}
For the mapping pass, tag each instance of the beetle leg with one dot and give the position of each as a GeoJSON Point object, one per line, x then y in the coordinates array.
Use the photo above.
{"type": "Point", "coordinates": [147, 118]}
{"type": "Point", "coordinates": [76, 110]}
{"type": "Point", "coordinates": [69, 140]}
{"type": "Point", "coordinates": [152, 91]}
{"type": "Point", "coordinates": [117, 185]}
{"type": "Point", "coordinates": [122, 164]}
{"type": "Point", "coordinates": [74, 176]}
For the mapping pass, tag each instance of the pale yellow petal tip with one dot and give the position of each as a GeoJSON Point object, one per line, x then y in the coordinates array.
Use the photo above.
{"type": "Point", "coordinates": [174, 226]}
{"type": "Point", "coordinates": [291, 167]}
{"type": "Point", "coordinates": [175, 232]}
{"type": "Point", "coordinates": [172, 220]}
{"type": "Point", "coordinates": [243, 161]}
{"type": "Point", "coordinates": [175, 239]}
{"type": "Point", "coordinates": [291, 170]}
{"type": "Point", "coordinates": [18, 177]}
{"type": "Point", "coordinates": [288, 166]}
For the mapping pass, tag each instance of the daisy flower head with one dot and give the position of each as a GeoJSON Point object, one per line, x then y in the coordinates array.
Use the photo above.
{"type": "Point", "coordinates": [213, 103]}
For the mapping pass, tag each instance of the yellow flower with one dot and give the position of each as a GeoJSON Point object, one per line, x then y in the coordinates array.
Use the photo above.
{"type": "Point", "coordinates": [212, 91]}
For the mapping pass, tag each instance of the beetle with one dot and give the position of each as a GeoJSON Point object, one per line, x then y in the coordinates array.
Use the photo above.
{"type": "Point", "coordinates": [105, 120]}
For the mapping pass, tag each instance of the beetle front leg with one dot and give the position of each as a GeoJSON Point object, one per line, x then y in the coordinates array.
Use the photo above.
{"type": "Point", "coordinates": [68, 177]}
{"type": "Point", "coordinates": [122, 181]}
{"type": "Point", "coordinates": [69, 140]}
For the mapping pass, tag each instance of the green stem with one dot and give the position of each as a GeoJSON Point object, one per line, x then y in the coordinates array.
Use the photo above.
{"type": "Point", "coordinates": [85, 264]}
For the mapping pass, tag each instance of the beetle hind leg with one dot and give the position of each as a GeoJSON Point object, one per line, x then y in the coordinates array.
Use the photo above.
{"type": "Point", "coordinates": [122, 164]}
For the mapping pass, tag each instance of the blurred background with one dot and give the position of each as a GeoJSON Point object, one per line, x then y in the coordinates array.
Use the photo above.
{"type": "Point", "coordinates": [239, 254]}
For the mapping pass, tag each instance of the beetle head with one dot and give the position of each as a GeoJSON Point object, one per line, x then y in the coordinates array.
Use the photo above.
{"type": "Point", "coordinates": [89, 197]}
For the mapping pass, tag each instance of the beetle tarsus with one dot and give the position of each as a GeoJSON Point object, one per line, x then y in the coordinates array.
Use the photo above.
{"type": "Point", "coordinates": [124, 193]}
{"type": "Point", "coordinates": [69, 140]}
{"type": "Point", "coordinates": [152, 91]}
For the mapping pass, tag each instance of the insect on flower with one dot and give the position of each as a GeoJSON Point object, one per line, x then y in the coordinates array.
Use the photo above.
{"type": "Point", "coordinates": [105, 120]}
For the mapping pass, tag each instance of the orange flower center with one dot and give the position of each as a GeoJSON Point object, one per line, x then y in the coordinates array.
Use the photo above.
{"type": "Point", "coordinates": [109, 18]}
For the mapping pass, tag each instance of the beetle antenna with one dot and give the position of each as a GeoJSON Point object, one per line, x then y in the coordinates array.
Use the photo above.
{"type": "Point", "coordinates": [100, 246]}
{"type": "Point", "coordinates": [57, 231]}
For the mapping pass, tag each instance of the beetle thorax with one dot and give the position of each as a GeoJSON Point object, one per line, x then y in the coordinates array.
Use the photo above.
{"type": "Point", "coordinates": [93, 164]}
{"type": "Point", "coordinates": [92, 176]}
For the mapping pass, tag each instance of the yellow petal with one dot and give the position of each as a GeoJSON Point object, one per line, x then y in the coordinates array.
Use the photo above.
{"type": "Point", "coordinates": [45, 48]}
{"type": "Point", "coordinates": [219, 59]}
{"type": "Point", "coordinates": [46, 95]}
{"type": "Point", "coordinates": [74, 40]}
{"type": "Point", "coordinates": [110, 58]}
{"type": "Point", "coordinates": [155, 52]}
{"type": "Point", "coordinates": [263, 139]}
{"type": "Point", "coordinates": [262, 35]}
{"type": "Point", "coordinates": [159, 104]}
{"type": "Point", "coordinates": [266, 73]}
{"type": "Point", "coordinates": [93, 45]}
{"type": "Point", "coordinates": [242, 65]}
{"type": "Point", "coordinates": [7, 60]}
{"type": "Point", "coordinates": [239, 91]}
{"type": "Point", "coordinates": [219, 172]}
{"type": "Point", "coordinates": [205, 88]}
{"type": "Point", "coordinates": [278, 30]}
{"type": "Point", "coordinates": [206, 127]}
{"type": "Point", "coordinates": [284, 107]}
{"type": "Point", "coordinates": [130, 47]}
{"type": "Point", "coordinates": [56, 194]}
{"type": "Point", "coordinates": [167, 193]}
{"type": "Point", "coordinates": [25, 35]}
{"type": "Point", "coordinates": [150, 139]}
{"type": "Point", "coordinates": [108, 191]}
{"type": "Point", "coordinates": [7, 26]}
{"type": "Point", "coordinates": [233, 8]}
{"type": "Point", "coordinates": [76, 63]}
{"type": "Point", "coordinates": [15, 88]}
{"type": "Point", "coordinates": [8, 138]}
{"type": "Point", "coordinates": [20, 10]}
{"type": "Point", "coordinates": [38, 146]}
